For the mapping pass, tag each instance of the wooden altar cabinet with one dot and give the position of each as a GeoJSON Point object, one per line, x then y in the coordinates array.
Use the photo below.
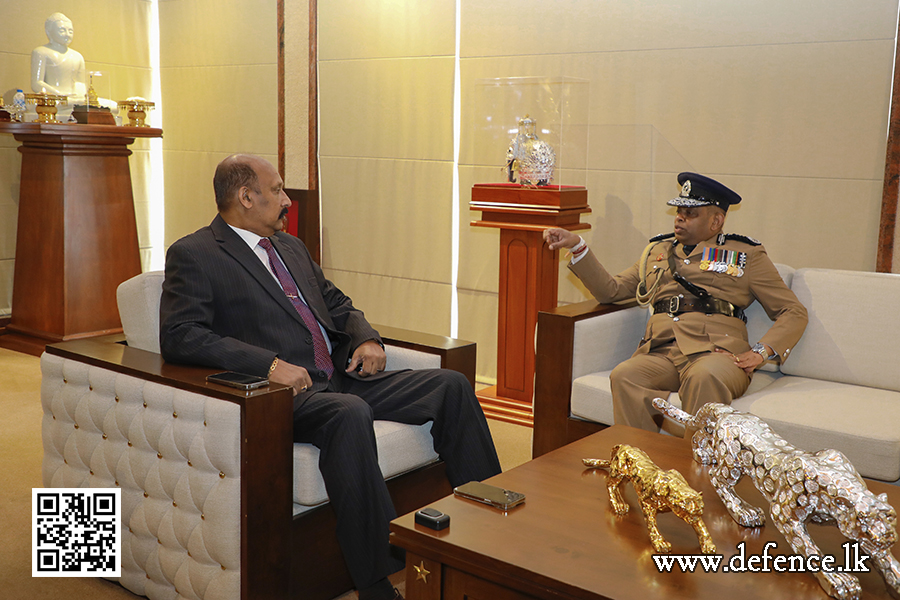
{"type": "Point", "coordinates": [529, 281]}
{"type": "Point", "coordinates": [76, 239]}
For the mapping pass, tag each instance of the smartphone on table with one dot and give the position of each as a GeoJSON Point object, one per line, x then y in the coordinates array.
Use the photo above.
{"type": "Point", "coordinates": [242, 381]}
{"type": "Point", "coordinates": [489, 494]}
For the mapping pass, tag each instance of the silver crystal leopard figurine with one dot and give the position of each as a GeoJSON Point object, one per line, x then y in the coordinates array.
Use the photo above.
{"type": "Point", "coordinates": [800, 486]}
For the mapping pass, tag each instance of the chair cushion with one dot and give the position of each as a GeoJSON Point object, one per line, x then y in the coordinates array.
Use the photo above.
{"type": "Point", "coordinates": [859, 421]}
{"type": "Point", "coordinates": [401, 448]}
{"type": "Point", "coordinates": [850, 327]}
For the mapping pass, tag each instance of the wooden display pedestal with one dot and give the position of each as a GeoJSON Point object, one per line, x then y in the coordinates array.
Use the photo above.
{"type": "Point", "coordinates": [76, 239]}
{"type": "Point", "coordinates": [528, 281]}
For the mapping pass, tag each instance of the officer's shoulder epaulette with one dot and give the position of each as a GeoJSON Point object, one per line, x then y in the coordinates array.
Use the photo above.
{"type": "Point", "coordinates": [662, 236]}
{"type": "Point", "coordinates": [736, 237]}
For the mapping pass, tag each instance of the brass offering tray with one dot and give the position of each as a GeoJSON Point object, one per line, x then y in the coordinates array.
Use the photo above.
{"type": "Point", "coordinates": [45, 106]}
{"type": "Point", "coordinates": [137, 110]}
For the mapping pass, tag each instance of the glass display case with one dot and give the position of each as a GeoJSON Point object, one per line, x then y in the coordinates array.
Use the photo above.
{"type": "Point", "coordinates": [552, 110]}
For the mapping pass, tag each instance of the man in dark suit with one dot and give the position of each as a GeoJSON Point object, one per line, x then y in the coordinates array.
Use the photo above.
{"type": "Point", "coordinates": [243, 296]}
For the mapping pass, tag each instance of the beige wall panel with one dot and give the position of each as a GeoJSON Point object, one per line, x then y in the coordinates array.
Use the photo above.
{"type": "Point", "coordinates": [387, 108]}
{"type": "Point", "coordinates": [479, 247]}
{"type": "Point", "coordinates": [811, 222]}
{"type": "Point", "coordinates": [203, 112]}
{"type": "Point", "coordinates": [391, 217]}
{"type": "Point", "coordinates": [296, 91]}
{"type": "Point", "coordinates": [9, 214]}
{"type": "Point", "coordinates": [15, 72]}
{"type": "Point", "coordinates": [212, 32]}
{"type": "Point", "coordinates": [8, 143]}
{"type": "Point", "coordinates": [379, 29]}
{"type": "Point", "coordinates": [629, 147]}
{"type": "Point", "coordinates": [10, 168]}
{"type": "Point", "coordinates": [139, 163]}
{"type": "Point", "coordinates": [190, 201]}
{"type": "Point", "coordinates": [407, 303]}
{"type": "Point", "coordinates": [532, 27]}
{"type": "Point", "coordinates": [478, 323]}
{"type": "Point", "coordinates": [22, 26]}
{"type": "Point", "coordinates": [147, 260]}
{"type": "Point", "coordinates": [812, 110]}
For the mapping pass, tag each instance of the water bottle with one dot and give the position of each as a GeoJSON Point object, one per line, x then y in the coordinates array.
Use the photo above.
{"type": "Point", "coordinates": [19, 105]}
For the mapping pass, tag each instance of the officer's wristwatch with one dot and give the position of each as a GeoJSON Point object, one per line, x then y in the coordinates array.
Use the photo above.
{"type": "Point", "coordinates": [760, 349]}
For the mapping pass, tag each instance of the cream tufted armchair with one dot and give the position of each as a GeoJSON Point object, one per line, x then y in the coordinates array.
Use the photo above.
{"type": "Point", "coordinates": [217, 501]}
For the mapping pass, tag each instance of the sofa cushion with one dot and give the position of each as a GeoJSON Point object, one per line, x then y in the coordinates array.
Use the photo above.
{"type": "Point", "coordinates": [401, 448]}
{"type": "Point", "coordinates": [850, 326]}
{"type": "Point", "coordinates": [859, 421]}
{"type": "Point", "coordinates": [758, 322]}
{"type": "Point", "coordinates": [602, 342]}
{"type": "Point", "coordinates": [592, 397]}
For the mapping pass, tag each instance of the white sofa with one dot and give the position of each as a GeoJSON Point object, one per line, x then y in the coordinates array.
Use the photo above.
{"type": "Point", "coordinates": [218, 502]}
{"type": "Point", "coordinates": [839, 389]}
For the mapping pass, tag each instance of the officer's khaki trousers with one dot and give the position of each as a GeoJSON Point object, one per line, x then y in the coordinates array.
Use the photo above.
{"type": "Point", "coordinates": [698, 379]}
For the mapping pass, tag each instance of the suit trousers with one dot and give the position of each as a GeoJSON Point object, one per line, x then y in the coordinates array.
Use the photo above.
{"type": "Point", "coordinates": [698, 379]}
{"type": "Point", "coordinates": [339, 420]}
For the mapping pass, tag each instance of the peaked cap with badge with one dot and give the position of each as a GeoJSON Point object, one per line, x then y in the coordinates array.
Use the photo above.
{"type": "Point", "coordinates": [699, 190]}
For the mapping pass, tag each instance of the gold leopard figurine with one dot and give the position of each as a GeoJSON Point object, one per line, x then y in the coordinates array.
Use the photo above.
{"type": "Point", "coordinates": [658, 491]}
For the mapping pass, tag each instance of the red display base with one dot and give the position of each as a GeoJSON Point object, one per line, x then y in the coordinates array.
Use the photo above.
{"type": "Point", "coordinates": [529, 273]}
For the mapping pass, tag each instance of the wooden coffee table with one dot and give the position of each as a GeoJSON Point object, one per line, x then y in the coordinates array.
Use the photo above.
{"type": "Point", "coordinates": [565, 542]}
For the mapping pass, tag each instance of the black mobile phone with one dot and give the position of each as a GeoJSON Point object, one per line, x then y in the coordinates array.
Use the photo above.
{"type": "Point", "coordinates": [432, 518]}
{"type": "Point", "coordinates": [489, 494]}
{"type": "Point", "coordinates": [241, 381]}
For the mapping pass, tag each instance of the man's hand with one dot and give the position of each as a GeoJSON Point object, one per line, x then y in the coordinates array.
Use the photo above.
{"type": "Point", "coordinates": [749, 361]}
{"type": "Point", "coordinates": [557, 238]}
{"type": "Point", "coordinates": [370, 356]}
{"type": "Point", "coordinates": [292, 375]}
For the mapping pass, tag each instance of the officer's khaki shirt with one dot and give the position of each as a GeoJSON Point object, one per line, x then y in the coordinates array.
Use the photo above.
{"type": "Point", "coordinates": [698, 332]}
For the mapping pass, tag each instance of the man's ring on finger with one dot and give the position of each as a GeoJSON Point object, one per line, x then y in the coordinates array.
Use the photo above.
{"type": "Point", "coordinates": [303, 389]}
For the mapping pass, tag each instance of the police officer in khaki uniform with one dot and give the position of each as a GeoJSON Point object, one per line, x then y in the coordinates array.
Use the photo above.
{"type": "Point", "coordinates": [698, 282]}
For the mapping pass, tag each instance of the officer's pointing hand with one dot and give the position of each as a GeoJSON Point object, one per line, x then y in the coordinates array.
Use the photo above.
{"type": "Point", "coordinates": [557, 238]}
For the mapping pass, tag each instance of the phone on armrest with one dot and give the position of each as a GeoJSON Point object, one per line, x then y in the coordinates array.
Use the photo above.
{"type": "Point", "coordinates": [489, 494]}
{"type": "Point", "coordinates": [242, 381]}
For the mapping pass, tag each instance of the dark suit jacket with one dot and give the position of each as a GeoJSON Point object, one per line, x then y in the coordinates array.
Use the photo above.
{"type": "Point", "coordinates": [221, 308]}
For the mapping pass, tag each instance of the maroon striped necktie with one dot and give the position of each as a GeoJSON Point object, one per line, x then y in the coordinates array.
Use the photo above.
{"type": "Point", "coordinates": [320, 348]}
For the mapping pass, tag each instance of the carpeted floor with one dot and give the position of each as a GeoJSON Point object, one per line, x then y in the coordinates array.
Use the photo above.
{"type": "Point", "coordinates": [20, 471]}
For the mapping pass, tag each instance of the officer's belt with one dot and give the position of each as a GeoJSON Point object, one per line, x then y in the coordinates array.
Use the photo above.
{"type": "Point", "coordinates": [679, 304]}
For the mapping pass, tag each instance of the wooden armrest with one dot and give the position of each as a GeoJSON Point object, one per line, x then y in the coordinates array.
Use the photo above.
{"type": "Point", "coordinates": [266, 454]}
{"type": "Point", "coordinates": [553, 370]}
{"type": "Point", "coordinates": [458, 355]}
{"type": "Point", "coordinates": [115, 356]}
